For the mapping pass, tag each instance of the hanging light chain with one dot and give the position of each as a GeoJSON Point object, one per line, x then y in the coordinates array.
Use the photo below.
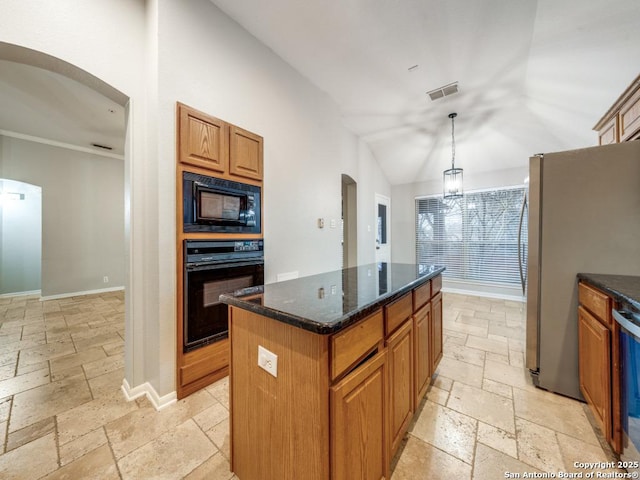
{"type": "Point", "coordinates": [453, 141]}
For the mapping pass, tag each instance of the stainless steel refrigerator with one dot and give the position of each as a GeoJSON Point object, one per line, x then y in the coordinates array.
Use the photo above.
{"type": "Point", "coordinates": [583, 216]}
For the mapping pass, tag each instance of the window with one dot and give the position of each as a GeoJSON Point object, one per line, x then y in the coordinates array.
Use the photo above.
{"type": "Point", "coordinates": [475, 237]}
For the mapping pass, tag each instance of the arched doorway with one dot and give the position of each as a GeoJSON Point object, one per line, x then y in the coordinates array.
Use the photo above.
{"type": "Point", "coordinates": [25, 56]}
{"type": "Point", "coordinates": [349, 222]}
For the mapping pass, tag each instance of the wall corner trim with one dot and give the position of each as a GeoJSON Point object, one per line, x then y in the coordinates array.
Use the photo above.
{"type": "Point", "coordinates": [158, 402]}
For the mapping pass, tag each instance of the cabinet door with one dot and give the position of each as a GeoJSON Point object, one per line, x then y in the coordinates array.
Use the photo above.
{"type": "Point", "coordinates": [245, 155]}
{"type": "Point", "coordinates": [358, 423]}
{"type": "Point", "coordinates": [401, 387]}
{"type": "Point", "coordinates": [594, 362]}
{"type": "Point", "coordinates": [630, 118]}
{"type": "Point", "coordinates": [436, 331]}
{"type": "Point", "coordinates": [422, 352]}
{"type": "Point", "coordinates": [609, 132]}
{"type": "Point", "coordinates": [203, 140]}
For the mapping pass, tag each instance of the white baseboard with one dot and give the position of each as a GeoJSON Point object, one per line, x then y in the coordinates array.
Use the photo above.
{"type": "Point", "coordinates": [475, 293]}
{"type": "Point", "coordinates": [147, 389]}
{"type": "Point", "coordinates": [78, 294]}
{"type": "Point", "coordinates": [20, 294]}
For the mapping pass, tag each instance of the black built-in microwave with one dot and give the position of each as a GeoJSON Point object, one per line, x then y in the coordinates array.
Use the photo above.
{"type": "Point", "coordinates": [217, 205]}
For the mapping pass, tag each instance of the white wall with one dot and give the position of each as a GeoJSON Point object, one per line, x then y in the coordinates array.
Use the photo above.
{"type": "Point", "coordinates": [162, 51]}
{"type": "Point", "coordinates": [103, 39]}
{"type": "Point", "coordinates": [211, 63]}
{"type": "Point", "coordinates": [82, 214]}
{"type": "Point", "coordinates": [20, 236]}
{"type": "Point", "coordinates": [207, 61]}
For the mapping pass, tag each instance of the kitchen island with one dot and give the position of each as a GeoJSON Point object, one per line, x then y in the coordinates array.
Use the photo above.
{"type": "Point", "coordinates": [326, 371]}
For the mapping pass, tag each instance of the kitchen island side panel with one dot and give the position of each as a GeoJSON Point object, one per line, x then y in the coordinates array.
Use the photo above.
{"type": "Point", "coordinates": [278, 424]}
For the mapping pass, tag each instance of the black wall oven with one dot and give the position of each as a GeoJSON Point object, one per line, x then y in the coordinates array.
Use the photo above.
{"type": "Point", "coordinates": [211, 268]}
{"type": "Point", "coordinates": [218, 205]}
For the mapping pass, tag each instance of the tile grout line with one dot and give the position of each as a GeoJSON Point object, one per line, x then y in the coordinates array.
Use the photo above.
{"type": "Point", "coordinates": [113, 455]}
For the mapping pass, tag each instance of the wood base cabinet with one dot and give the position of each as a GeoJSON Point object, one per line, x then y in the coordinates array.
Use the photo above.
{"type": "Point", "coordinates": [598, 361]}
{"type": "Point", "coordinates": [436, 331]}
{"type": "Point", "coordinates": [358, 423]}
{"type": "Point", "coordinates": [422, 348]}
{"type": "Point", "coordinates": [594, 346]}
{"type": "Point", "coordinates": [401, 383]}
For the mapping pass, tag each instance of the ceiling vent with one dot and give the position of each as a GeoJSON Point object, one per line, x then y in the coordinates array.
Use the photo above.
{"type": "Point", "coordinates": [449, 89]}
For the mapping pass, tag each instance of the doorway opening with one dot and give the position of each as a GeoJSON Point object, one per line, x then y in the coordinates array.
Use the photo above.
{"type": "Point", "coordinates": [383, 239]}
{"type": "Point", "coordinates": [349, 222]}
{"type": "Point", "coordinates": [20, 238]}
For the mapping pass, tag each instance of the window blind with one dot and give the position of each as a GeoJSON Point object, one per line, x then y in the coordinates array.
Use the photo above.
{"type": "Point", "coordinates": [475, 237]}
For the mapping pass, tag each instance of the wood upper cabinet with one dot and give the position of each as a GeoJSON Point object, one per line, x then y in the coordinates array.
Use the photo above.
{"type": "Point", "coordinates": [594, 356]}
{"type": "Point", "coordinates": [358, 423]}
{"type": "Point", "coordinates": [436, 331]}
{"type": "Point", "coordinates": [203, 140]}
{"type": "Point", "coordinates": [622, 121]}
{"type": "Point", "coordinates": [422, 350]}
{"type": "Point", "coordinates": [245, 156]}
{"type": "Point", "coordinates": [225, 149]}
{"type": "Point", "coordinates": [401, 383]}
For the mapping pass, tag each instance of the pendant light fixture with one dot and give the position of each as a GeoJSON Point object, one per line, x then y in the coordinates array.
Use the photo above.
{"type": "Point", "coordinates": [452, 185]}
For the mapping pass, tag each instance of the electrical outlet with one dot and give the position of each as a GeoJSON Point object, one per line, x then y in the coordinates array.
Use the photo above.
{"type": "Point", "coordinates": [268, 361]}
{"type": "Point", "coordinates": [105, 279]}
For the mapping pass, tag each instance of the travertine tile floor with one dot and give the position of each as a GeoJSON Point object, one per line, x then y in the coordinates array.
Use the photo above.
{"type": "Point", "coordinates": [63, 416]}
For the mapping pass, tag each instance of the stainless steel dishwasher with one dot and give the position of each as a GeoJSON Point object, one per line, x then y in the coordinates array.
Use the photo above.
{"type": "Point", "coordinates": [629, 320]}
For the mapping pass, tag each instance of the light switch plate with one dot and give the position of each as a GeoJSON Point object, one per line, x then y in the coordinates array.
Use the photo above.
{"type": "Point", "coordinates": [268, 361]}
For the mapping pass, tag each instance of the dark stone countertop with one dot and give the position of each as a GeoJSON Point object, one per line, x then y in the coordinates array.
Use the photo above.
{"type": "Point", "coordinates": [328, 302]}
{"type": "Point", "coordinates": [623, 288]}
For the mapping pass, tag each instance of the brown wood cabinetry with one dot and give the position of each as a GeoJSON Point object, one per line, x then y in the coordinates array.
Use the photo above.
{"type": "Point", "coordinates": [340, 404]}
{"type": "Point", "coordinates": [245, 153]}
{"type": "Point", "coordinates": [422, 349]}
{"type": "Point", "coordinates": [203, 140]}
{"type": "Point", "coordinates": [594, 346]}
{"type": "Point", "coordinates": [598, 361]}
{"type": "Point", "coordinates": [213, 144]}
{"type": "Point", "coordinates": [208, 146]}
{"type": "Point", "coordinates": [622, 121]}
{"type": "Point", "coordinates": [352, 344]}
{"type": "Point", "coordinates": [401, 383]}
{"type": "Point", "coordinates": [436, 331]}
{"type": "Point", "coordinates": [358, 429]}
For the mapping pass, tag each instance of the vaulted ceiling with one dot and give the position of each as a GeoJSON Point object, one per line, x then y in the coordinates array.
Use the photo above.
{"type": "Point", "coordinates": [533, 76]}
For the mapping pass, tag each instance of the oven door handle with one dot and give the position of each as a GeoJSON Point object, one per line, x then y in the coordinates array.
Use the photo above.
{"type": "Point", "coordinates": [626, 324]}
{"type": "Point", "coordinates": [195, 267]}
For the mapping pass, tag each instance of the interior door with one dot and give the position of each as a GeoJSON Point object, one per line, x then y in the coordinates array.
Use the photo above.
{"type": "Point", "coordinates": [383, 222]}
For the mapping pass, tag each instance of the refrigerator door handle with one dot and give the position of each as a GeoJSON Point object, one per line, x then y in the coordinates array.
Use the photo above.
{"type": "Point", "coordinates": [520, 253]}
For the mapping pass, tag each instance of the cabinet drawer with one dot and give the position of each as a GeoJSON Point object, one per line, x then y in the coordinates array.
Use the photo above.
{"type": "Point", "coordinates": [421, 295]}
{"type": "Point", "coordinates": [436, 285]}
{"type": "Point", "coordinates": [351, 345]}
{"type": "Point", "coordinates": [596, 302]}
{"type": "Point", "coordinates": [397, 312]}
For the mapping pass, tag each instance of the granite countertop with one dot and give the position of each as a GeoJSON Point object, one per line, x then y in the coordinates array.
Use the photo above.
{"type": "Point", "coordinates": [328, 302]}
{"type": "Point", "coordinates": [623, 288]}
